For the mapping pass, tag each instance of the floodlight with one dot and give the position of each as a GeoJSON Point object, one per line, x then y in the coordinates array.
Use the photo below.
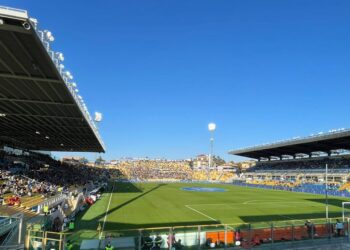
{"type": "Point", "coordinates": [69, 75]}
{"type": "Point", "coordinates": [37, 132]}
{"type": "Point", "coordinates": [76, 90]}
{"type": "Point", "coordinates": [60, 56]}
{"type": "Point", "coordinates": [61, 66]}
{"type": "Point", "coordinates": [211, 127]}
{"type": "Point", "coordinates": [49, 35]}
{"type": "Point", "coordinates": [74, 84]}
{"type": "Point", "coordinates": [98, 116]}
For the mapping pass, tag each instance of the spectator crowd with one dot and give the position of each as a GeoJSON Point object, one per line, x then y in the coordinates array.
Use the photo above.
{"type": "Point", "coordinates": [39, 174]}
{"type": "Point", "coordinates": [303, 164]}
{"type": "Point", "coordinates": [144, 170]}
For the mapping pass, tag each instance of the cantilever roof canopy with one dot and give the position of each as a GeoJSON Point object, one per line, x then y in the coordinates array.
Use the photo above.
{"type": "Point", "coordinates": [323, 142]}
{"type": "Point", "coordinates": [38, 110]}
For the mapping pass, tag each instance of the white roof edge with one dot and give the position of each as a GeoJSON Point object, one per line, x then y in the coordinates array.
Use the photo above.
{"type": "Point", "coordinates": [317, 137]}
{"type": "Point", "coordinates": [13, 12]}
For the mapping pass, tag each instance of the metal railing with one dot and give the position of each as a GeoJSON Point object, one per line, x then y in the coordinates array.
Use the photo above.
{"type": "Point", "coordinates": [51, 202]}
{"type": "Point", "coordinates": [10, 228]}
{"type": "Point", "coordinates": [277, 235]}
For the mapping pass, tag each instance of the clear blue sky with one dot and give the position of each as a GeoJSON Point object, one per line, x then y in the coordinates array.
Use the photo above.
{"type": "Point", "coordinates": [159, 71]}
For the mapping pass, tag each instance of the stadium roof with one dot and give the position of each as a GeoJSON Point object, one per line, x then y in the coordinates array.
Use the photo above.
{"type": "Point", "coordinates": [40, 108]}
{"type": "Point", "coordinates": [322, 142]}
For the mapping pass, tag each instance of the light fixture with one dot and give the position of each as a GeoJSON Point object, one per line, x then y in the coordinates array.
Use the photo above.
{"type": "Point", "coordinates": [76, 90]}
{"type": "Point", "coordinates": [49, 36]}
{"type": "Point", "coordinates": [2, 115]}
{"type": "Point", "coordinates": [46, 137]}
{"type": "Point", "coordinates": [69, 75]}
{"type": "Point", "coordinates": [37, 132]}
{"type": "Point", "coordinates": [60, 56]}
{"type": "Point", "coordinates": [74, 84]}
{"type": "Point", "coordinates": [98, 117]}
{"type": "Point", "coordinates": [211, 126]}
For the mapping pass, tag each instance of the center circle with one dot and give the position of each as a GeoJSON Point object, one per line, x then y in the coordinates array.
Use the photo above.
{"type": "Point", "coordinates": [203, 189]}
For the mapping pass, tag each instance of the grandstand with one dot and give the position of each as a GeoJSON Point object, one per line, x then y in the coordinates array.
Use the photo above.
{"type": "Point", "coordinates": [155, 170]}
{"type": "Point", "coordinates": [40, 110]}
{"type": "Point", "coordinates": [299, 164]}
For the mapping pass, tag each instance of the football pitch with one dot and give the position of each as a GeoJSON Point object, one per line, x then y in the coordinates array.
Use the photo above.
{"type": "Point", "coordinates": [144, 205]}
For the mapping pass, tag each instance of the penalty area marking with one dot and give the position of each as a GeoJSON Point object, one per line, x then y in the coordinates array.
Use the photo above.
{"type": "Point", "coordinates": [199, 212]}
{"type": "Point", "coordinates": [249, 202]}
{"type": "Point", "coordinates": [252, 202]}
{"type": "Point", "coordinates": [273, 202]}
{"type": "Point", "coordinates": [105, 218]}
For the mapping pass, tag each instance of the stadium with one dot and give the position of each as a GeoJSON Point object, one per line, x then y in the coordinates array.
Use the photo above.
{"type": "Point", "coordinates": [295, 196]}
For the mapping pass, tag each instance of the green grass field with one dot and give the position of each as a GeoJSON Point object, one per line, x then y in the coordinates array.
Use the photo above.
{"type": "Point", "coordinates": [144, 205]}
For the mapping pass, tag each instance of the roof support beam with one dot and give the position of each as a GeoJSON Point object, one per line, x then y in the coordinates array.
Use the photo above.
{"type": "Point", "coordinates": [45, 116]}
{"type": "Point", "coordinates": [36, 101]}
{"type": "Point", "coordinates": [43, 125]}
{"type": "Point", "coordinates": [31, 78]}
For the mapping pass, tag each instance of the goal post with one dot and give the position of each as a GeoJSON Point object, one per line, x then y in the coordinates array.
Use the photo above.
{"type": "Point", "coordinates": [345, 210]}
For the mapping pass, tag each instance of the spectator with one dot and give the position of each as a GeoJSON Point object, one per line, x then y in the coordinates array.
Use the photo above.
{"type": "Point", "coordinates": [109, 246]}
{"type": "Point", "coordinates": [339, 226]}
{"type": "Point", "coordinates": [171, 240]}
{"type": "Point", "coordinates": [310, 228]}
{"type": "Point", "coordinates": [69, 245]}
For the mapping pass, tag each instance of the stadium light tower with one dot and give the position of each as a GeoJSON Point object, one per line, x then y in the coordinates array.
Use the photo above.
{"type": "Point", "coordinates": [211, 128]}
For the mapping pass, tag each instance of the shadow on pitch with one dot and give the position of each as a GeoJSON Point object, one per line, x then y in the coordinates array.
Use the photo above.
{"type": "Point", "coordinates": [127, 187]}
{"type": "Point", "coordinates": [337, 202]}
{"type": "Point", "coordinates": [128, 201]}
{"type": "Point", "coordinates": [91, 225]}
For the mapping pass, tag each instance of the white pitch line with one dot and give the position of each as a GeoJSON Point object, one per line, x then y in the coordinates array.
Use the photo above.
{"type": "Point", "coordinates": [201, 213]}
{"type": "Point", "coordinates": [211, 204]}
{"type": "Point", "coordinates": [105, 218]}
{"type": "Point", "coordinates": [274, 202]}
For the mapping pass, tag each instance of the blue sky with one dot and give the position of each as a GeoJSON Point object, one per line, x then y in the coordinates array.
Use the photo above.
{"type": "Point", "coordinates": [160, 71]}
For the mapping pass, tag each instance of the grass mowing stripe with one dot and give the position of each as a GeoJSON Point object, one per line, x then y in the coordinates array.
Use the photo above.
{"type": "Point", "coordinates": [135, 205]}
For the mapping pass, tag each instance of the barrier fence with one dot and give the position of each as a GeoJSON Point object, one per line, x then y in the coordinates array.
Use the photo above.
{"type": "Point", "coordinates": [244, 236]}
